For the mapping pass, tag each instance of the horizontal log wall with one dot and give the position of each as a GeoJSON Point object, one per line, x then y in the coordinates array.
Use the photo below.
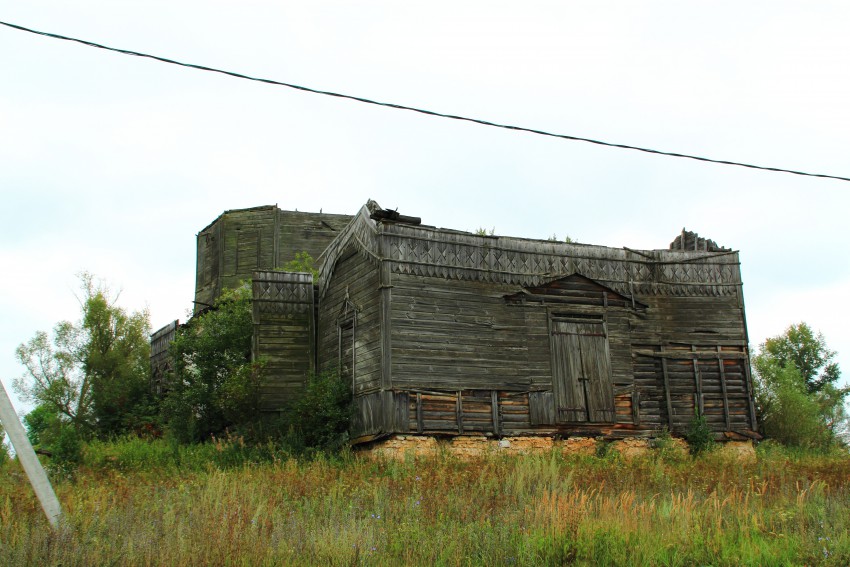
{"type": "Point", "coordinates": [459, 335]}
{"type": "Point", "coordinates": [690, 355]}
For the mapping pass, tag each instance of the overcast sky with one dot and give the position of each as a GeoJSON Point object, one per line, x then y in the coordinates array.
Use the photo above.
{"type": "Point", "coordinates": [112, 164]}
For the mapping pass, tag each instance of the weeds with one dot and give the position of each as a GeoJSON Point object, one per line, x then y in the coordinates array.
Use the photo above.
{"type": "Point", "coordinates": [138, 502]}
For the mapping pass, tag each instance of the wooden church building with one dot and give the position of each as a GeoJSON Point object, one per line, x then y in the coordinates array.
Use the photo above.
{"type": "Point", "coordinates": [444, 332]}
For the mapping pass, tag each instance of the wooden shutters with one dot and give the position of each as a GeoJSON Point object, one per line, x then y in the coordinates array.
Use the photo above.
{"type": "Point", "coordinates": [581, 371]}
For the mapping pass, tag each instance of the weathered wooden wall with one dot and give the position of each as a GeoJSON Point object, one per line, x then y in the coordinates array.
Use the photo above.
{"type": "Point", "coordinates": [458, 335]}
{"type": "Point", "coordinates": [284, 333]}
{"type": "Point", "coordinates": [353, 295]}
{"type": "Point", "coordinates": [475, 333]}
{"type": "Point", "coordinates": [261, 238]}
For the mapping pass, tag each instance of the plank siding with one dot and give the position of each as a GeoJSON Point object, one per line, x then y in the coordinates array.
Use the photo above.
{"type": "Point", "coordinates": [260, 238]}
{"type": "Point", "coordinates": [456, 334]}
{"type": "Point", "coordinates": [284, 334]}
{"type": "Point", "coordinates": [357, 282]}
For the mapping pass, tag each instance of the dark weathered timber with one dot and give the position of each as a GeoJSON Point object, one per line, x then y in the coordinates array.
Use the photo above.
{"type": "Point", "coordinates": [284, 334]}
{"type": "Point", "coordinates": [240, 241]}
{"type": "Point", "coordinates": [447, 332]}
{"type": "Point", "coordinates": [161, 365]}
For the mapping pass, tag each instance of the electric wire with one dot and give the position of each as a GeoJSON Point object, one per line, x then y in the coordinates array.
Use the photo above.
{"type": "Point", "coordinates": [421, 110]}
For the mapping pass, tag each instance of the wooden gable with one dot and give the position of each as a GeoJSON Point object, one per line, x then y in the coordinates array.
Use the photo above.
{"type": "Point", "coordinates": [574, 289]}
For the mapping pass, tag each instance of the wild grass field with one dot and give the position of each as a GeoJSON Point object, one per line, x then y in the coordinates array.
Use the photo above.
{"type": "Point", "coordinates": [134, 502]}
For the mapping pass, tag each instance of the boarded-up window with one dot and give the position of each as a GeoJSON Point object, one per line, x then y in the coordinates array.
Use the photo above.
{"type": "Point", "coordinates": [581, 370]}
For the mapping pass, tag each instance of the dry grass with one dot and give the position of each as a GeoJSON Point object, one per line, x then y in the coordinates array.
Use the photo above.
{"type": "Point", "coordinates": [173, 508]}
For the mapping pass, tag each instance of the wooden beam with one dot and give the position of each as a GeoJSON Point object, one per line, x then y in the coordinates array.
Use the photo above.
{"type": "Point", "coordinates": [636, 406]}
{"type": "Point", "coordinates": [699, 403]}
{"type": "Point", "coordinates": [459, 410]}
{"type": "Point", "coordinates": [667, 393]}
{"type": "Point", "coordinates": [748, 383]}
{"type": "Point", "coordinates": [420, 425]}
{"type": "Point", "coordinates": [32, 466]}
{"type": "Point", "coordinates": [494, 406]}
{"type": "Point", "coordinates": [726, 417]}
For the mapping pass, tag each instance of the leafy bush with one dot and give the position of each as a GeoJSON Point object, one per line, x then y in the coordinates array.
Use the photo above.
{"type": "Point", "coordinates": [214, 385]}
{"type": "Point", "coordinates": [699, 436]}
{"type": "Point", "coordinates": [319, 419]}
{"type": "Point", "coordinates": [789, 414]}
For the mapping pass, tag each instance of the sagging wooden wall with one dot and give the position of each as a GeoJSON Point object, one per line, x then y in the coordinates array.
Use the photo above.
{"type": "Point", "coordinates": [471, 357]}
{"type": "Point", "coordinates": [284, 334]}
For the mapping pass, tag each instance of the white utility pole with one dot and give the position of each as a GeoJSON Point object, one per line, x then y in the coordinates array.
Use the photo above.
{"type": "Point", "coordinates": [32, 466]}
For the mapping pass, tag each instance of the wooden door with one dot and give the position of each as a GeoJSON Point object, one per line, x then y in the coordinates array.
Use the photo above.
{"type": "Point", "coordinates": [581, 372]}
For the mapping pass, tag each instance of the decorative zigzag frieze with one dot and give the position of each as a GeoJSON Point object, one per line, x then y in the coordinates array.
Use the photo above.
{"type": "Point", "coordinates": [282, 292]}
{"type": "Point", "coordinates": [425, 251]}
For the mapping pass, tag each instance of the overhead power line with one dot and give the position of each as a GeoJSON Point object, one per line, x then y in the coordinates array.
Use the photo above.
{"type": "Point", "coordinates": [421, 110]}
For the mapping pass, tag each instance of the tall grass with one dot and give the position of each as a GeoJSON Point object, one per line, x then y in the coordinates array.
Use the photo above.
{"type": "Point", "coordinates": [153, 503]}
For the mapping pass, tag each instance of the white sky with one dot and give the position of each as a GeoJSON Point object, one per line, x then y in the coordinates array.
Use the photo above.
{"type": "Point", "coordinates": [112, 164]}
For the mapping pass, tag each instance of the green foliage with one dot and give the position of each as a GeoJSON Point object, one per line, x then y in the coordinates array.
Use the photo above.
{"type": "Point", "coordinates": [67, 451]}
{"type": "Point", "coordinates": [789, 413]}
{"type": "Point", "coordinates": [481, 231]}
{"type": "Point", "coordinates": [303, 262]}
{"type": "Point", "coordinates": [138, 502]}
{"type": "Point", "coordinates": [699, 435]}
{"type": "Point", "coordinates": [554, 238]}
{"type": "Point", "coordinates": [117, 363]}
{"type": "Point", "coordinates": [800, 347]}
{"type": "Point", "coordinates": [92, 374]}
{"type": "Point", "coordinates": [799, 404]}
{"type": "Point", "coordinates": [215, 385]}
{"type": "Point", "coordinates": [319, 419]}
{"type": "Point", "coordinates": [4, 449]}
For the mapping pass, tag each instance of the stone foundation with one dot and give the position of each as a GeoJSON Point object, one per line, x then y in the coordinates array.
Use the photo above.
{"type": "Point", "coordinates": [470, 446]}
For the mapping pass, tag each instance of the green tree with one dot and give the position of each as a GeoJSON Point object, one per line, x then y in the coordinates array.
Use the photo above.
{"type": "Point", "coordinates": [214, 385]}
{"type": "Point", "coordinates": [92, 374]}
{"type": "Point", "coordinates": [117, 362]}
{"type": "Point", "coordinates": [796, 393]}
{"type": "Point", "coordinates": [807, 352]}
{"type": "Point", "coordinates": [303, 262]}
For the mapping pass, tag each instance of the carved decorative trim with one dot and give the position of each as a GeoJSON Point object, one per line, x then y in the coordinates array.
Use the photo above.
{"type": "Point", "coordinates": [431, 252]}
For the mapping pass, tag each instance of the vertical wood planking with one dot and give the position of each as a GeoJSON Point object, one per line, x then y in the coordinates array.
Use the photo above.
{"type": "Point", "coordinates": [459, 412]}
{"type": "Point", "coordinates": [494, 405]}
{"type": "Point", "coordinates": [636, 406]}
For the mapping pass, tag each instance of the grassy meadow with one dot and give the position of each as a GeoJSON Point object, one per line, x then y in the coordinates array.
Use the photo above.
{"type": "Point", "coordinates": [135, 502]}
